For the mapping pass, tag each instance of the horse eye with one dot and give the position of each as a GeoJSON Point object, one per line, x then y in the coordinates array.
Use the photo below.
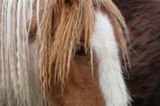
{"type": "Point", "coordinates": [80, 51]}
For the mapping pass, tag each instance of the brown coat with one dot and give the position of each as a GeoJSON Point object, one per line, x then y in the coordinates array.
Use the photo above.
{"type": "Point", "coordinates": [143, 20]}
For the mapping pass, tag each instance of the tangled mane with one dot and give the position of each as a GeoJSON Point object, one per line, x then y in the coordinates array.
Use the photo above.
{"type": "Point", "coordinates": [65, 26]}
{"type": "Point", "coordinates": [62, 26]}
{"type": "Point", "coordinates": [19, 78]}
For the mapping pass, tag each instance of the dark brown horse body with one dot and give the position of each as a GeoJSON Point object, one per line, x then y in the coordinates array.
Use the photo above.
{"type": "Point", "coordinates": [143, 20]}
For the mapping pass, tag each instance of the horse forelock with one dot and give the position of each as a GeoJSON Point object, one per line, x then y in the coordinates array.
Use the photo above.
{"type": "Point", "coordinates": [64, 24]}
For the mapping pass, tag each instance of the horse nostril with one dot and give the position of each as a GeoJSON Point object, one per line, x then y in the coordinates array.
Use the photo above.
{"type": "Point", "coordinates": [80, 51]}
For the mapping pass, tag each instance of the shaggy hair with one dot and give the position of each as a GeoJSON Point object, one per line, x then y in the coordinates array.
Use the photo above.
{"type": "Point", "coordinates": [142, 17]}
{"type": "Point", "coordinates": [62, 26]}
{"type": "Point", "coordinates": [74, 18]}
{"type": "Point", "coordinates": [19, 80]}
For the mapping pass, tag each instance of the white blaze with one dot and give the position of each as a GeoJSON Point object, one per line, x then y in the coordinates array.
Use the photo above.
{"type": "Point", "coordinates": [110, 74]}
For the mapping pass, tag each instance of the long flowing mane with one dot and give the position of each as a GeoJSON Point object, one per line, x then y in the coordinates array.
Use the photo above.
{"type": "Point", "coordinates": [59, 28]}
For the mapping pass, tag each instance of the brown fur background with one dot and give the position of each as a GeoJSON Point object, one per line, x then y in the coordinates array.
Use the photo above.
{"type": "Point", "coordinates": [143, 20]}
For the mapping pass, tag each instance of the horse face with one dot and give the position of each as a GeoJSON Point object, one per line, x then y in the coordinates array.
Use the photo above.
{"type": "Point", "coordinates": [58, 29]}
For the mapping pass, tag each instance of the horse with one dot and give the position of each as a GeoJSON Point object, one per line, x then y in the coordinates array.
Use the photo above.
{"type": "Point", "coordinates": [62, 53]}
{"type": "Point", "coordinates": [142, 18]}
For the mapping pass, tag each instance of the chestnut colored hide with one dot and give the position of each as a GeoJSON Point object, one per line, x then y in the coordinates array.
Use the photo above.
{"type": "Point", "coordinates": [82, 87]}
{"type": "Point", "coordinates": [143, 20]}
